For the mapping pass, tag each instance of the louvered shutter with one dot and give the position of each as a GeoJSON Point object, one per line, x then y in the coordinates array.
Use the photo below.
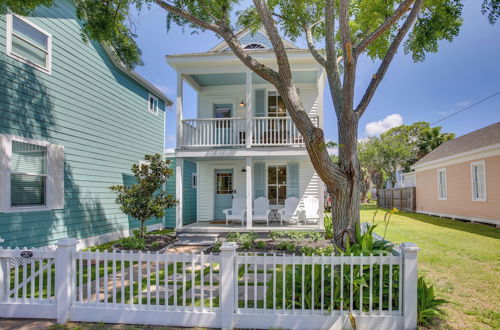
{"type": "Point", "coordinates": [260, 102]}
{"type": "Point", "coordinates": [293, 180]}
{"type": "Point", "coordinates": [56, 176]}
{"type": "Point", "coordinates": [259, 180]}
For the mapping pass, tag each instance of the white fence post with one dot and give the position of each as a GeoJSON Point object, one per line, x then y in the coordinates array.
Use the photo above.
{"type": "Point", "coordinates": [226, 284]}
{"type": "Point", "coordinates": [65, 267]}
{"type": "Point", "coordinates": [410, 277]}
{"type": "Point", "coordinates": [4, 272]}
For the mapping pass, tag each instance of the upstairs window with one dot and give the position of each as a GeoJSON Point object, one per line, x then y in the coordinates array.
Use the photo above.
{"type": "Point", "coordinates": [442, 189]}
{"type": "Point", "coordinates": [153, 104]}
{"type": "Point", "coordinates": [478, 175]}
{"type": "Point", "coordinates": [275, 105]}
{"type": "Point", "coordinates": [28, 43]}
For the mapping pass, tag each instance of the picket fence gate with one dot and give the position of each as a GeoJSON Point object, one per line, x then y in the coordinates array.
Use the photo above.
{"type": "Point", "coordinates": [224, 290]}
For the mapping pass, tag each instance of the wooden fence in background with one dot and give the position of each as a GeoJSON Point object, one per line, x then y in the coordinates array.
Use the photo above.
{"type": "Point", "coordinates": [400, 198]}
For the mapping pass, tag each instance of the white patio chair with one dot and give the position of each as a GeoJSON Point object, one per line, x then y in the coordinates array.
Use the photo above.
{"type": "Point", "coordinates": [311, 208]}
{"type": "Point", "coordinates": [261, 210]}
{"type": "Point", "coordinates": [237, 211]}
{"type": "Point", "coordinates": [290, 212]}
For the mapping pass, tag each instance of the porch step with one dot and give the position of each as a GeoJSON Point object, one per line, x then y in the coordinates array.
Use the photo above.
{"type": "Point", "coordinates": [204, 239]}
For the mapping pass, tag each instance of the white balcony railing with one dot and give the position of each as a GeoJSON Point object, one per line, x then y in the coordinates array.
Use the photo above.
{"type": "Point", "coordinates": [231, 132]}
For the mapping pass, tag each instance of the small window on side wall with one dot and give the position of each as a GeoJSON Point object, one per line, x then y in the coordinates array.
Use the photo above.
{"type": "Point", "coordinates": [442, 184]}
{"type": "Point", "coordinates": [28, 43]}
{"type": "Point", "coordinates": [153, 104]}
{"type": "Point", "coordinates": [478, 180]}
{"type": "Point", "coordinates": [32, 178]}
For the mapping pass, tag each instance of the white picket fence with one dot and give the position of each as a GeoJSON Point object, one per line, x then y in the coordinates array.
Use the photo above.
{"type": "Point", "coordinates": [226, 290]}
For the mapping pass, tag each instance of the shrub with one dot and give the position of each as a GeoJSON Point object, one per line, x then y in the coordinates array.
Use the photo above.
{"type": "Point", "coordinates": [295, 235]}
{"type": "Point", "coordinates": [216, 246]}
{"type": "Point", "coordinates": [328, 227]}
{"type": "Point", "coordinates": [428, 304]}
{"type": "Point", "coordinates": [286, 246]}
{"type": "Point", "coordinates": [133, 243]}
{"type": "Point", "coordinates": [245, 240]}
{"type": "Point", "coordinates": [260, 244]}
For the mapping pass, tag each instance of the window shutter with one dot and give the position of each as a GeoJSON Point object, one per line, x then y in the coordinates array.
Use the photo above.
{"type": "Point", "coordinates": [480, 182]}
{"type": "Point", "coordinates": [56, 177]}
{"type": "Point", "coordinates": [260, 102]}
{"type": "Point", "coordinates": [4, 146]}
{"type": "Point", "coordinates": [259, 180]}
{"type": "Point", "coordinates": [293, 180]}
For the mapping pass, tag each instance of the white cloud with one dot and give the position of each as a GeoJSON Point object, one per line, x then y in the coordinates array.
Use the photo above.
{"type": "Point", "coordinates": [165, 89]}
{"type": "Point", "coordinates": [378, 127]}
{"type": "Point", "coordinates": [463, 103]}
{"type": "Point", "coordinates": [169, 150]}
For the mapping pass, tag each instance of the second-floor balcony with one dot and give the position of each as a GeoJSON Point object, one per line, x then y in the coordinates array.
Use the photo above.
{"type": "Point", "coordinates": [237, 132]}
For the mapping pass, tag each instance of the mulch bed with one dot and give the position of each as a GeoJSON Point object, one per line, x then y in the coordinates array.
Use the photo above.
{"type": "Point", "coordinates": [154, 242]}
{"type": "Point", "coordinates": [278, 247]}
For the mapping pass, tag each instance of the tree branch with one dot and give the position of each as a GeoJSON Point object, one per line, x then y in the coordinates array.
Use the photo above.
{"type": "Point", "coordinates": [332, 69]}
{"type": "Point", "coordinates": [402, 8]}
{"type": "Point", "coordinates": [312, 49]}
{"type": "Point", "coordinates": [228, 35]}
{"type": "Point", "coordinates": [377, 78]}
{"type": "Point", "coordinates": [349, 58]}
{"type": "Point", "coordinates": [275, 38]}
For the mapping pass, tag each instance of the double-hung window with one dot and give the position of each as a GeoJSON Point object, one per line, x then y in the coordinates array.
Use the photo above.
{"type": "Point", "coordinates": [32, 177]}
{"type": "Point", "coordinates": [28, 175]}
{"type": "Point", "coordinates": [478, 176]}
{"type": "Point", "coordinates": [28, 43]}
{"type": "Point", "coordinates": [442, 184]}
{"type": "Point", "coordinates": [153, 104]}
{"type": "Point", "coordinates": [275, 105]}
{"type": "Point", "coordinates": [276, 184]}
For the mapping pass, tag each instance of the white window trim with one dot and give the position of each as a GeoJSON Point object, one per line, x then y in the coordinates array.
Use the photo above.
{"type": "Point", "coordinates": [194, 180]}
{"type": "Point", "coordinates": [7, 186]}
{"type": "Point", "coordinates": [482, 163]}
{"type": "Point", "coordinates": [8, 47]}
{"type": "Point", "coordinates": [439, 171]}
{"type": "Point", "coordinates": [276, 206]}
{"type": "Point", "coordinates": [157, 104]}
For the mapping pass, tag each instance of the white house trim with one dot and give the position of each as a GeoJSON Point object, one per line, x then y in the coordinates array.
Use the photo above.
{"type": "Point", "coordinates": [462, 217]}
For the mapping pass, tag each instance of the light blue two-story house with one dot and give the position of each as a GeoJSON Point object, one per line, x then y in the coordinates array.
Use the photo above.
{"type": "Point", "coordinates": [73, 120]}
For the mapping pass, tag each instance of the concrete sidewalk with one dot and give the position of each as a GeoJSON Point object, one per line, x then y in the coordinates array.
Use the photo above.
{"type": "Point", "coordinates": [23, 324]}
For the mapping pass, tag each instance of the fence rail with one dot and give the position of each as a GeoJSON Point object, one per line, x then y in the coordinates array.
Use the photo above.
{"type": "Point", "coordinates": [400, 198]}
{"type": "Point", "coordinates": [205, 290]}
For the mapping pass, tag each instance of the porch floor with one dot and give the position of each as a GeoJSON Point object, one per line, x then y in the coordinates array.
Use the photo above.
{"type": "Point", "coordinates": [208, 227]}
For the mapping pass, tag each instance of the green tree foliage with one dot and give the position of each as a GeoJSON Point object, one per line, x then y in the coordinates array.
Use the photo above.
{"type": "Point", "coordinates": [146, 198]}
{"type": "Point", "coordinates": [400, 146]}
{"type": "Point", "coordinates": [109, 21]}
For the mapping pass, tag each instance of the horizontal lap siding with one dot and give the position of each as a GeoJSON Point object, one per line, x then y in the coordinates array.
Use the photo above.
{"type": "Point", "coordinates": [309, 182]}
{"type": "Point", "coordinates": [459, 188]}
{"type": "Point", "coordinates": [95, 111]}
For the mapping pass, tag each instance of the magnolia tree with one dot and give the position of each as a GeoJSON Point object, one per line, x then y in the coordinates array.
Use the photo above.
{"type": "Point", "coordinates": [146, 199]}
{"type": "Point", "coordinates": [337, 32]}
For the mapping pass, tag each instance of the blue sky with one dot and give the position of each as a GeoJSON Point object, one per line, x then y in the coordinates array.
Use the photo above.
{"type": "Point", "coordinates": [462, 72]}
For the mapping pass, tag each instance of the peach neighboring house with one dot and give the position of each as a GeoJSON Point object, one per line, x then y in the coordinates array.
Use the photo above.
{"type": "Point", "coordinates": [461, 178]}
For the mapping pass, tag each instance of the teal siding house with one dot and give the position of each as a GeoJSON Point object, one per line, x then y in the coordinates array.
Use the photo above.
{"type": "Point", "coordinates": [72, 122]}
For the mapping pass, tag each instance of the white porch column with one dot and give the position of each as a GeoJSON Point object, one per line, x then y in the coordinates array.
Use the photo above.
{"type": "Point", "coordinates": [249, 187]}
{"type": "Point", "coordinates": [321, 194]}
{"type": "Point", "coordinates": [321, 93]}
{"type": "Point", "coordinates": [249, 110]}
{"type": "Point", "coordinates": [179, 169]}
{"type": "Point", "coordinates": [179, 103]}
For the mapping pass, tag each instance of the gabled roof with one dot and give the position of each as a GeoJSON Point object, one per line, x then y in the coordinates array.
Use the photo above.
{"type": "Point", "coordinates": [247, 37]}
{"type": "Point", "coordinates": [484, 137]}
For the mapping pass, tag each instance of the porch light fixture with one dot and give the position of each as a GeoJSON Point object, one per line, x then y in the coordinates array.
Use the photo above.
{"type": "Point", "coordinates": [242, 103]}
{"type": "Point", "coordinates": [244, 170]}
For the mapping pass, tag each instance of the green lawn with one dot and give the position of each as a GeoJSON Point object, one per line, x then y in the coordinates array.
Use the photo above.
{"type": "Point", "coordinates": [461, 259]}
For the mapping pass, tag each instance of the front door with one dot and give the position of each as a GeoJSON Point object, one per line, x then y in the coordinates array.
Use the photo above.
{"type": "Point", "coordinates": [223, 192]}
{"type": "Point", "coordinates": [222, 112]}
